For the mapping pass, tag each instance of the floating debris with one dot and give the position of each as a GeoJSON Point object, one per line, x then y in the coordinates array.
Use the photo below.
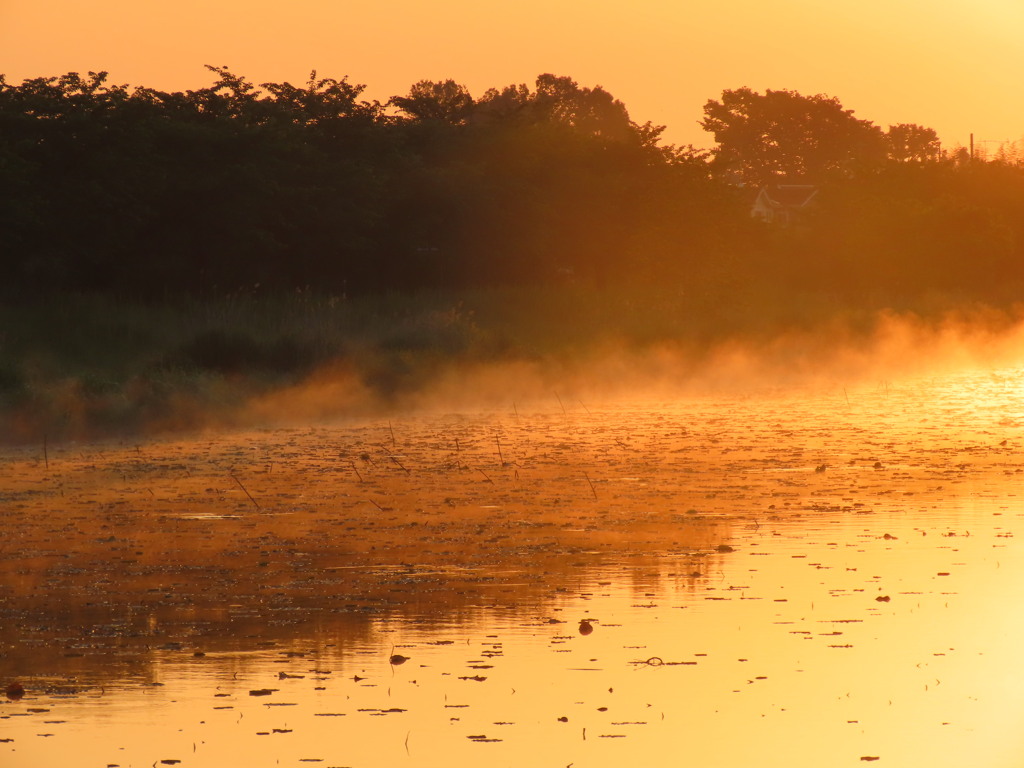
{"type": "Point", "coordinates": [14, 691]}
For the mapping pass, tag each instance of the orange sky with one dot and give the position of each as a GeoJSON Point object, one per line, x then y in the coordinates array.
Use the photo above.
{"type": "Point", "coordinates": [947, 64]}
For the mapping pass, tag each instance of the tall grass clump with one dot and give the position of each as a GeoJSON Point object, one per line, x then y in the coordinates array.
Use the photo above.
{"type": "Point", "coordinates": [79, 365]}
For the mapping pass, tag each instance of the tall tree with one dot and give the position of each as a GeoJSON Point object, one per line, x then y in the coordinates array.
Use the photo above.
{"type": "Point", "coordinates": [781, 135]}
{"type": "Point", "coordinates": [563, 103]}
{"type": "Point", "coordinates": [445, 101]}
{"type": "Point", "coordinates": [909, 143]}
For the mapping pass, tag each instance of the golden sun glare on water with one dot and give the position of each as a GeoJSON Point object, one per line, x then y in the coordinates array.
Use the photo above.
{"type": "Point", "coordinates": [792, 580]}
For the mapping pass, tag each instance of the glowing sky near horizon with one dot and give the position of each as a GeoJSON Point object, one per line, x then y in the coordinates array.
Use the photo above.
{"type": "Point", "coordinates": [944, 64]}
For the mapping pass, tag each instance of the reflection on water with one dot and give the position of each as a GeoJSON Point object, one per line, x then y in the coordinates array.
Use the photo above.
{"type": "Point", "coordinates": [801, 581]}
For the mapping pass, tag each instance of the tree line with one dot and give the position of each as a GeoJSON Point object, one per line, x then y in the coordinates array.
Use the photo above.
{"type": "Point", "coordinates": [132, 191]}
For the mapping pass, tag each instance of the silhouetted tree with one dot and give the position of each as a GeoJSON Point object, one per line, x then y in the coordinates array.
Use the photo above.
{"type": "Point", "coordinates": [446, 101]}
{"type": "Point", "coordinates": [561, 101]}
{"type": "Point", "coordinates": [782, 134]}
{"type": "Point", "coordinates": [118, 190]}
{"type": "Point", "coordinates": [909, 143]}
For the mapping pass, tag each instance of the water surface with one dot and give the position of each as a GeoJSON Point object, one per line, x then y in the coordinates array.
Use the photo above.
{"type": "Point", "coordinates": [799, 579]}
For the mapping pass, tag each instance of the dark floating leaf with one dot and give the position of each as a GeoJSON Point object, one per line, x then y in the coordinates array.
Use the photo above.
{"type": "Point", "coordinates": [262, 691]}
{"type": "Point", "coordinates": [477, 678]}
{"type": "Point", "coordinates": [14, 691]}
{"type": "Point", "coordinates": [586, 627]}
{"type": "Point", "coordinates": [883, 599]}
{"type": "Point", "coordinates": [869, 758]}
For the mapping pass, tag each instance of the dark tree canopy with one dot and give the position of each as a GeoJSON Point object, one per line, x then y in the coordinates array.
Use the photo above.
{"type": "Point", "coordinates": [909, 143]}
{"type": "Point", "coordinates": [781, 134]}
{"type": "Point", "coordinates": [446, 101]}
{"type": "Point", "coordinates": [140, 192]}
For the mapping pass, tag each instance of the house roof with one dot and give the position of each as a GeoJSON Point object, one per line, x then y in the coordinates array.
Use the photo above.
{"type": "Point", "coordinates": [788, 195]}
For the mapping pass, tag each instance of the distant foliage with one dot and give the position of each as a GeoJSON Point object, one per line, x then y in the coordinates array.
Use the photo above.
{"type": "Point", "coordinates": [907, 143]}
{"type": "Point", "coordinates": [239, 188]}
{"type": "Point", "coordinates": [782, 135]}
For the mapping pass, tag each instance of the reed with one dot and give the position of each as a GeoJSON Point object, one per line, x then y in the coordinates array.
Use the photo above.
{"type": "Point", "coordinates": [76, 366]}
{"type": "Point", "coordinates": [245, 490]}
{"type": "Point", "coordinates": [561, 404]}
{"type": "Point", "coordinates": [401, 466]}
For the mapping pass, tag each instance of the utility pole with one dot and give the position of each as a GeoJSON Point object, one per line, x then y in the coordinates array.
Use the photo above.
{"type": "Point", "coordinates": [1001, 142]}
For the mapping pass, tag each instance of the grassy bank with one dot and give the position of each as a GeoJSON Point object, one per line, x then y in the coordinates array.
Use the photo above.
{"type": "Point", "coordinates": [76, 366]}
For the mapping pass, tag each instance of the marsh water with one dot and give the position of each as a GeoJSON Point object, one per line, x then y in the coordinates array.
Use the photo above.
{"type": "Point", "coordinates": [827, 576]}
